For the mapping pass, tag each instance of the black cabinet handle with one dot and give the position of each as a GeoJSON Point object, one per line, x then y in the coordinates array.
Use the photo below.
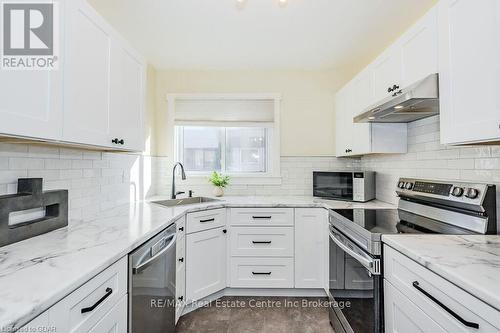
{"type": "Point", "coordinates": [181, 229]}
{"type": "Point", "coordinates": [208, 220]}
{"type": "Point", "coordinates": [261, 273]}
{"type": "Point", "coordinates": [224, 231]}
{"type": "Point", "coordinates": [450, 311]}
{"type": "Point", "coordinates": [109, 291]}
{"type": "Point", "coordinates": [181, 259]}
{"type": "Point", "coordinates": [118, 141]}
{"type": "Point", "coordinates": [261, 217]}
{"type": "Point", "coordinates": [181, 298]}
{"type": "Point", "coordinates": [261, 242]}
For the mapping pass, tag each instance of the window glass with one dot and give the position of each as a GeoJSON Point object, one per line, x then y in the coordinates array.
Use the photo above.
{"type": "Point", "coordinates": [246, 149]}
{"type": "Point", "coordinates": [224, 149]}
{"type": "Point", "coordinates": [201, 148]}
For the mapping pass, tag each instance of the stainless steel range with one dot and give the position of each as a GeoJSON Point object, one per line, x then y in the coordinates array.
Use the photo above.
{"type": "Point", "coordinates": [425, 206]}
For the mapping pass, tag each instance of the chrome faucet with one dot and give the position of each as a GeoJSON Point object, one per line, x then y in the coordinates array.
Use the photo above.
{"type": "Point", "coordinates": [183, 174]}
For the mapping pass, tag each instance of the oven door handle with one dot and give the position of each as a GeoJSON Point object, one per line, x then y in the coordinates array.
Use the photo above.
{"type": "Point", "coordinates": [372, 265]}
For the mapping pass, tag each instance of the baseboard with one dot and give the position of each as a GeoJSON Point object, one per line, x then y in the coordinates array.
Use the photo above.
{"type": "Point", "coordinates": [255, 292]}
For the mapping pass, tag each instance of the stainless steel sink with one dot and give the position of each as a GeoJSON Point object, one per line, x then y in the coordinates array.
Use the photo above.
{"type": "Point", "coordinates": [184, 201]}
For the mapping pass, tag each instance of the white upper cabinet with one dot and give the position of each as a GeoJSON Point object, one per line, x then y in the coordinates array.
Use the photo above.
{"type": "Point", "coordinates": [343, 122]}
{"type": "Point", "coordinates": [419, 50]}
{"type": "Point", "coordinates": [104, 84]}
{"type": "Point", "coordinates": [361, 97]}
{"type": "Point", "coordinates": [469, 44]}
{"type": "Point", "coordinates": [31, 100]}
{"type": "Point", "coordinates": [95, 98]}
{"type": "Point", "coordinates": [127, 97]}
{"type": "Point", "coordinates": [386, 74]}
{"type": "Point", "coordinates": [87, 79]}
{"type": "Point", "coordinates": [411, 58]}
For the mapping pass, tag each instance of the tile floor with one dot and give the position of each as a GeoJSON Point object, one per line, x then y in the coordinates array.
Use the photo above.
{"type": "Point", "coordinates": [259, 315]}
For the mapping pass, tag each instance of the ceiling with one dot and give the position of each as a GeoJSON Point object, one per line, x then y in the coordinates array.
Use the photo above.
{"type": "Point", "coordinates": [218, 34]}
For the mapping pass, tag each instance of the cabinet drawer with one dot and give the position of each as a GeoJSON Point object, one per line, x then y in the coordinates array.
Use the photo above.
{"type": "Point", "coordinates": [204, 220]}
{"type": "Point", "coordinates": [262, 241]}
{"type": "Point", "coordinates": [414, 280]}
{"type": "Point", "coordinates": [261, 272]}
{"type": "Point", "coordinates": [95, 298]}
{"type": "Point", "coordinates": [402, 315]}
{"type": "Point", "coordinates": [262, 216]}
{"type": "Point", "coordinates": [115, 321]}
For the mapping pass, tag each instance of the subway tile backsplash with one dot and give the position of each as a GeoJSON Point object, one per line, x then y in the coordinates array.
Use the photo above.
{"type": "Point", "coordinates": [427, 158]}
{"type": "Point", "coordinates": [95, 180]}
{"type": "Point", "coordinates": [296, 177]}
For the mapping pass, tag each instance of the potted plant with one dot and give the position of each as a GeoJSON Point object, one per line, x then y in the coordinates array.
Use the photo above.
{"type": "Point", "coordinates": [220, 182]}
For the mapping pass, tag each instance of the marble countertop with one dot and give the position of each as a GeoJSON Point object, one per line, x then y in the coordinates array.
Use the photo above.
{"type": "Point", "coordinates": [38, 272]}
{"type": "Point", "coordinates": [470, 262]}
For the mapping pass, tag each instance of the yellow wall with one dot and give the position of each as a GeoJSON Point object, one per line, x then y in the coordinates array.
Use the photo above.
{"type": "Point", "coordinates": [307, 115]}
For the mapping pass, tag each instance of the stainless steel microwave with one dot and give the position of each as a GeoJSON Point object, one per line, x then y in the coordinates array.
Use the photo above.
{"type": "Point", "coordinates": [350, 186]}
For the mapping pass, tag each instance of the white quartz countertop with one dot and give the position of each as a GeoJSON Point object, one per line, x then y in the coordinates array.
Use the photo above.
{"type": "Point", "coordinates": [38, 272]}
{"type": "Point", "coordinates": [470, 262]}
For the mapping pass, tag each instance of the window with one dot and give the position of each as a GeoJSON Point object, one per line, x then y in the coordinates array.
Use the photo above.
{"type": "Point", "coordinates": [237, 134]}
{"type": "Point", "coordinates": [233, 150]}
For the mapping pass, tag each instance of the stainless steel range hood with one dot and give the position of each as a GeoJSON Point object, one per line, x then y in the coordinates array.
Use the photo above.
{"type": "Point", "coordinates": [418, 101]}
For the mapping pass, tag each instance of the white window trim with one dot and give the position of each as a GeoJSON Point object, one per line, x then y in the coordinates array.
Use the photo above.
{"type": "Point", "coordinates": [273, 174]}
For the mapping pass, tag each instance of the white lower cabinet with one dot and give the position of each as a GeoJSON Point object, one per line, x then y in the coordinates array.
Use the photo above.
{"type": "Point", "coordinates": [115, 321]}
{"type": "Point", "coordinates": [100, 305]}
{"type": "Point", "coordinates": [418, 300]}
{"type": "Point", "coordinates": [311, 241]}
{"type": "Point", "coordinates": [403, 316]}
{"type": "Point", "coordinates": [205, 263]}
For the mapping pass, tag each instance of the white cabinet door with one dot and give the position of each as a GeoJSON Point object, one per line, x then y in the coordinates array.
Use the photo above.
{"type": "Point", "coordinates": [126, 97]}
{"type": "Point", "coordinates": [86, 77]}
{"type": "Point", "coordinates": [311, 241]}
{"type": "Point", "coordinates": [419, 49]}
{"type": "Point", "coordinates": [343, 122]}
{"type": "Point", "coordinates": [386, 73]}
{"type": "Point", "coordinates": [362, 96]}
{"type": "Point", "coordinates": [205, 263]}
{"type": "Point", "coordinates": [31, 100]}
{"type": "Point", "coordinates": [403, 316]}
{"type": "Point", "coordinates": [469, 49]}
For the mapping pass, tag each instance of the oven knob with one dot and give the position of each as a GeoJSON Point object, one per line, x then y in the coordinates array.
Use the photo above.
{"type": "Point", "coordinates": [457, 191]}
{"type": "Point", "coordinates": [401, 184]}
{"type": "Point", "coordinates": [408, 186]}
{"type": "Point", "coordinates": [472, 193]}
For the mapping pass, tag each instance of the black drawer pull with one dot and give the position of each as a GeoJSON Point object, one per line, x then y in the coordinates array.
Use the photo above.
{"type": "Point", "coordinates": [208, 220]}
{"type": "Point", "coordinates": [450, 311]}
{"type": "Point", "coordinates": [109, 291]}
{"type": "Point", "coordinates": [261, 242]}
{"type": "Point", "coordinates": [181, 229]}
{"type": "Point", "coordinates": [261, 273]}
{"type": "Point", "coordinates": [261, 217]}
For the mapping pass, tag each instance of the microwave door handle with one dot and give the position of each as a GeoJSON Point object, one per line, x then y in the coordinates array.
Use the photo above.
{"type": "Point", "coordinates": [367, 263]}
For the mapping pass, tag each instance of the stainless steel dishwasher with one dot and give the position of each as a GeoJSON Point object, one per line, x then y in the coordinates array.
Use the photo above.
{"type": "Point", "coordinates": [152, 269]}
